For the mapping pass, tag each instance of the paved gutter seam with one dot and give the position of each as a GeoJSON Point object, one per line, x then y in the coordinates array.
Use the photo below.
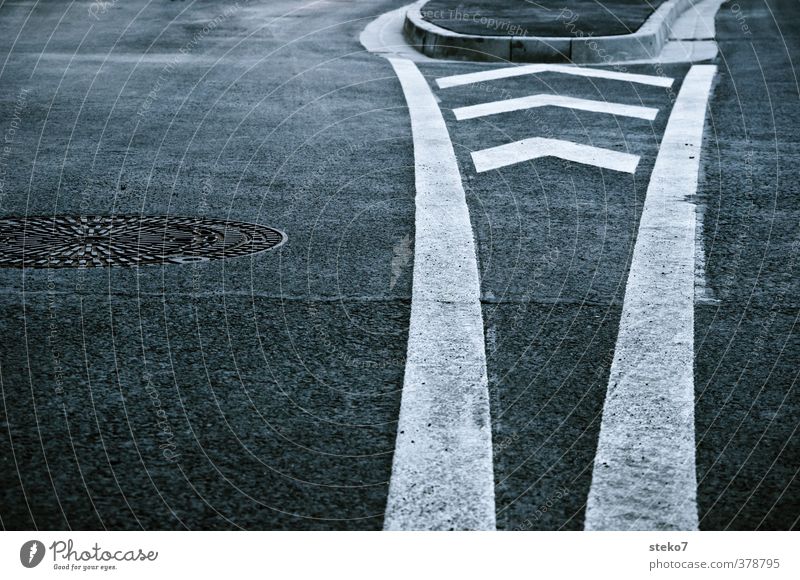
{"type": "Point", "coordinates": [646, 43]}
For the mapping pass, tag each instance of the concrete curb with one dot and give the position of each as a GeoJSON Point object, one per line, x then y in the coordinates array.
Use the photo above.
{"type": "Point", "coordinates": [645, 43]}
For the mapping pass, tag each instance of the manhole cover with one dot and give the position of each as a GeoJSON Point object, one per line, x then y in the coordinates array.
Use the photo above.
{"type": "Point", "coordinates": [124, 240]}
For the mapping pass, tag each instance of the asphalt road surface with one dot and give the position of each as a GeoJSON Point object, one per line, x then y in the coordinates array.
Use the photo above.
{"type": "Point", "coordinates": [263, 391]}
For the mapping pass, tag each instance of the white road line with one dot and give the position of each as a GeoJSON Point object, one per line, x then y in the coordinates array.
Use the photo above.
{"type": "Point", "coordinates": [544, 100]}
{"type": "Point", "coordinates": [644, 471]}
{"type": "Point", "coordinates": [536, 147]}
{"type": "Point", "coordinates": [442, 472]}
{"type": "Point", "coordinates": [514, 71]}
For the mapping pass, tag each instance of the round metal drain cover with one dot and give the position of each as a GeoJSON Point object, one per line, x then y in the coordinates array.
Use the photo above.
{"type": "Point", "coordinates": [126, 240]}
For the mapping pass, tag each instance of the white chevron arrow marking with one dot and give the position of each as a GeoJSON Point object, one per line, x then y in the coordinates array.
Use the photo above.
{"type": "Point", "coordinates": [515, 71]}
{"type": "Point", "coordinates": [536, 147]}
{"type": "Point", "coordinates": [544, 100]}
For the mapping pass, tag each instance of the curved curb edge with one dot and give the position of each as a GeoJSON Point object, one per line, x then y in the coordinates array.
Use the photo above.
{"type": "Point", "coordinates": [646, 43]}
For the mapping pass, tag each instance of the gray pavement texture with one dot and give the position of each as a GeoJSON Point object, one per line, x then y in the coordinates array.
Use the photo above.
{"type": "Point", "coordinates": [279, 374]}
{"type": "Point", "coordinates": [263, 392]}
{"type": "Point", "coordinates": [548, 18]}
{"type": "Point", "coordinates": [748, 347]}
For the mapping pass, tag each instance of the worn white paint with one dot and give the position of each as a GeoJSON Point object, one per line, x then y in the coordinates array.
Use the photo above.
{"type": "Point", "coordinates": [545, 100]}
{"type": "Point", "coordinates": [536, 147]}
{"type": "Point", "coordinates": [442, 472]}
{"type": "Point", "coordinates": [644, 471]}
{"type": "Point", "coordinates": [515, 71]}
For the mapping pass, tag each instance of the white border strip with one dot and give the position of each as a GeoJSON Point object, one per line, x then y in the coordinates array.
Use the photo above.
{"type": "Point", "coordinates": [644, 471]}
{"type": "Point", "coordinates": [442, 473]}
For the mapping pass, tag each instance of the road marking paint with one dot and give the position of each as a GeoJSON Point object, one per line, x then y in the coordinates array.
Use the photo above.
{"type": "Point", "coordinates": [515, 71]}
{"type": "Point", "coordinates": [544, 100]}
{"type": "Point", "coordinates": [442, 472]}
{"type": "Point", "coordinates": [644, 471]}
{"type": "Point", "coordinates": [536, 147]}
